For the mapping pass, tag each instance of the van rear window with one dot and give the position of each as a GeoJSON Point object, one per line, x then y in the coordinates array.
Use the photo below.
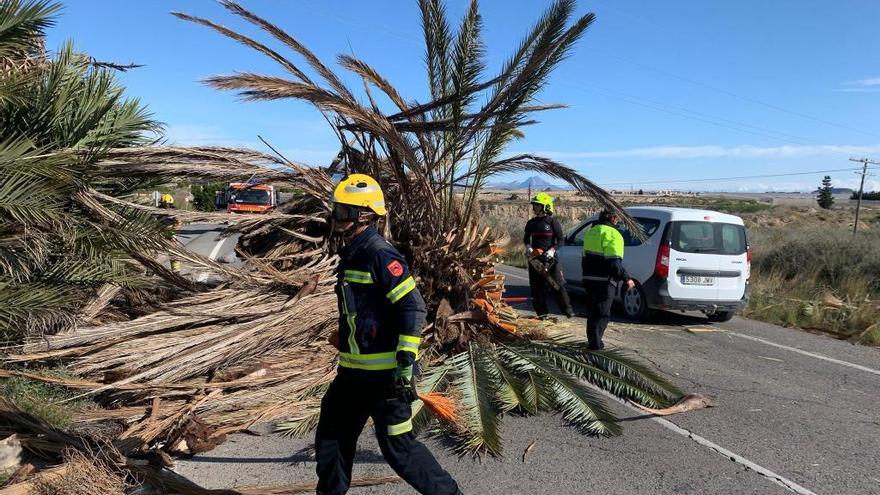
{"type": "Point", "coordinates": [708, 237]}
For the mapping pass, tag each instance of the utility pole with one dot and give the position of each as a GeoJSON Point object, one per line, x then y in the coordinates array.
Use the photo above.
{"type": "Point", "coordinates": [863, 173]}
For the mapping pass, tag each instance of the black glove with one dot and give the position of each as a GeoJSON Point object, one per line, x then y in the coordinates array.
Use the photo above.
{"type": "Point", "coordinates": [404, 384]}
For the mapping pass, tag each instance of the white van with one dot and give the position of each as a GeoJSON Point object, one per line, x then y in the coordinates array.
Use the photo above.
{"type": "Point", "coordinates": [694, 260]}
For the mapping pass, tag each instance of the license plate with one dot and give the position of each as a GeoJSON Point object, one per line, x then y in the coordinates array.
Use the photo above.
{"type": "Point", "coordinates": [697, 280]}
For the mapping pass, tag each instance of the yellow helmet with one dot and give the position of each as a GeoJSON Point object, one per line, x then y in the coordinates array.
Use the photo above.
{"type": "Point", "coordinates": [544, 200]}
{"type": "Point", "coordinates": [360, 190]}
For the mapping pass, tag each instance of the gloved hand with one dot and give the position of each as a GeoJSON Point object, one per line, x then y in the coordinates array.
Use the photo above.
{"type": "Point", "coordinates": [550, 253]}
{"type": "Point", "coordinates": [404, 385]}
{"type": "Point", "coordinates": [529, 251]}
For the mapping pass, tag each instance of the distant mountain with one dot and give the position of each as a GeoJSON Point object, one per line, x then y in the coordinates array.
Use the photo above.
{"type": "Point", "coordinates": [534, 182]}
{"type": "Point", "coordinates": [839, 190]}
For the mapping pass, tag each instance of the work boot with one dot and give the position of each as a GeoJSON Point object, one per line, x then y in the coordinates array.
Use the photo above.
{"type": "Point", "coordinates": [569, 313]}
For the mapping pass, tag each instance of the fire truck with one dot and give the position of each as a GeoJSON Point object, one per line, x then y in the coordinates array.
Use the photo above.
{"type": "Point", "coordinates": [247, 197]}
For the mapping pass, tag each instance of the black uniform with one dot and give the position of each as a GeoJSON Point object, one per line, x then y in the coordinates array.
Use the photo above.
{"type": "Point", "coordinates": [602, 269]}
{"type": "Point", "coordinates": [381, 316]}
{"type": "Point", "coordinates": [544, 233]}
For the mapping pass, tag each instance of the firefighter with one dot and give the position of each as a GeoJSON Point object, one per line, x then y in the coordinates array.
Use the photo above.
{"type": "Point", "coordinates": [543, 234]}
{"type": "Point", "coordinates": [381, 317]}
{"type": "Point", "coordinates": [167, 201]}
{"type": "Point", "coordinates": [602, 268]}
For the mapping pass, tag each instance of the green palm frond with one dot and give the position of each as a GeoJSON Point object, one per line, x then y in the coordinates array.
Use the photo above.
{"type": "Point", "coordinates": [619, 374]}
{"type": "Point", "coordinates": [438, 42]}
{"type": "Point", "coordinates": [23, 24]}
{"type": "Point", "coordinates": [580, 406]}
{"type": "Point", "coordinates": [474, 386]}
{"type": "Point", "coordinates": [25, 307]}
{"type": "Point", "coordinates": [537, 392]}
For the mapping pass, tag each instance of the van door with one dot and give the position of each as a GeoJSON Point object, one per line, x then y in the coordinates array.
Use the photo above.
{"type": "Point", "coordinates": [639, 257]}
{"type": "Point", "coordinates": [570, 254]}
{"type": "Point", "coordinates": [693, 261]}
{"type": "Point", "coordinates": [733, 261]}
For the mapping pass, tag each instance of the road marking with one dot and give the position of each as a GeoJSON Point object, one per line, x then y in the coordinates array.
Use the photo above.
{"type": "Point", "coordinates": [213, 256]}
{"type": "Point", "coordinates": [806, 353]}
{"type": "Point", "coordinates": [701, 329]}
{"type": "Point", "coordinates": [772, 359]}
{"type": "Point", "coordinates": [772, 476]}
{"type": "Point", "coordinates": [669, 425]}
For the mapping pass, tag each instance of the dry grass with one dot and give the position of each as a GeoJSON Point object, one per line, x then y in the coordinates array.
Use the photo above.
{"type": "Point", "coordinates": [82, 475]}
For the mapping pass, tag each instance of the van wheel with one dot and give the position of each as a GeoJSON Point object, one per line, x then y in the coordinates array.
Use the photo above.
{"type": "Point", "coordinates": [721, 316]}
{"type": "Point", "coordinates": [634, 303]}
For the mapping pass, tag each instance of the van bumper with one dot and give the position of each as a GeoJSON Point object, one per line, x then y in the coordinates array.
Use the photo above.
{"type": "Point", "coordinates": [657, 294]}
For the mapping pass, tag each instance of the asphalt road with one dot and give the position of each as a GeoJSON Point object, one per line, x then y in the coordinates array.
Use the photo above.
{"type": "Point", "coordinates": [205, 239]}
{"type": "Point", "coordinates": [797, 413]}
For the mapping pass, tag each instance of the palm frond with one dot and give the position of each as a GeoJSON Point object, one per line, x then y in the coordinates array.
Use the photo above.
{"type": "Point", "coordinates": [619, 374]}
{"type": "Point", "coordinates": [433, 379]}
{"type": "Point", "coordinates": [580, 406]}
{"type": "Point", "coordinates": [292, 43]}
{"type": "Point", "coordinates": [23, 24]}
{"type": "Point", "coordinates": [247, 41]}
{"type": "Point", "coordinates": [475, 387]}
{"type": "Point", "coordinates": [438, 42]}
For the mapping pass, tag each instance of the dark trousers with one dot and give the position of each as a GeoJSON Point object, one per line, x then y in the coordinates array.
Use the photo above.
{"type": "Point", "coordinates": [600, 296]}
{"type": "Point", "coordinates": [353, 397]}
{"type": "Point", "coordinates": [539, 287]}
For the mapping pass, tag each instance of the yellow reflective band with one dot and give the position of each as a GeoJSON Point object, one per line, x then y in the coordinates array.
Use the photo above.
{"type": "Point", "coordinates": [400, 428]}
{"type": "Point", "coordinates": [352, 326]}
{"type": "Point", "coordinates": [401, 290]}
{"type": "Point", "coordinates": [358, 277]}
{"type": "Point", "coordinates": [410, 338]}
{"type": "Point", "coordinates": [378, 361]}
{"type": "Point", "coordinates": [409, 344]}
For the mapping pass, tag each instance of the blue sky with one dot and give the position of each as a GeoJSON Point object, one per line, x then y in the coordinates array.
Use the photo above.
{"type": "Point", "coordinates": [657, 91]}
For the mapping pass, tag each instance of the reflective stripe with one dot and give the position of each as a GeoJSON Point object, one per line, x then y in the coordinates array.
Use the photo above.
{"type": "Point", "coordinates": [352, 326]}
{"type": "Point", "coordinates": [409, 344]}
{"type": "Point", "coordinates": [599, 279]}
{"type": "Point", "coordinates": [368, 189]}
{"type": "Point", "coordinates": [401, 290]}
{"type": "Point", "coordinates": [400, 428]}
{"type": "Point", "coordinates": [378, 361]}
{"type": "Point", "coordinates": [358, 277]}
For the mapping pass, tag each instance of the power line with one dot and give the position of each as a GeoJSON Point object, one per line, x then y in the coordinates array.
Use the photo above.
{"type": "Point", "coordinates": [699, 116]}
{"type": "Point", "coordinates": [719, 179]}
{"type": "Point", "coordinates": [735, 95]}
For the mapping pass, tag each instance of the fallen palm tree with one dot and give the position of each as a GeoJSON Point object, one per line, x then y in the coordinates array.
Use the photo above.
{"type": "Point", "coordinates": [256, 349]}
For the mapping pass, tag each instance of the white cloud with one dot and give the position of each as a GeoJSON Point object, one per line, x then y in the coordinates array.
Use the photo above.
{"type": "Point", "coordinates": [858, 90]}
{"type": "Point", "coordinates": [202, 135]}
{"type": "Point", "coordinates": [870, 184]}
{"type": "Point", "coordinates": [713, 151]}
{"type": "Point", "coordinates": [873, 81]}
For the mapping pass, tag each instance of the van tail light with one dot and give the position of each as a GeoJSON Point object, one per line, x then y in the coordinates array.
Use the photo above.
{"type": "Point", "coordinates": [748, 263]}
{"type": "Point", "coordinates": [661, 268]}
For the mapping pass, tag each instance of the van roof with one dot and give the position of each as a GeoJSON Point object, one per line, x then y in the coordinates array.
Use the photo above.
{"type": "Point", "coordinates": [675, 213]}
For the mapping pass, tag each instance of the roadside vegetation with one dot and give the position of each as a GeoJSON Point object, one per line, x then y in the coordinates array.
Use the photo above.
{"type": "Point", "coordinates": [807, 270]}
{"type": "Point", "coordinates": [54, 404]}
{"type": "Point", "coordinates": [818, 278]}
